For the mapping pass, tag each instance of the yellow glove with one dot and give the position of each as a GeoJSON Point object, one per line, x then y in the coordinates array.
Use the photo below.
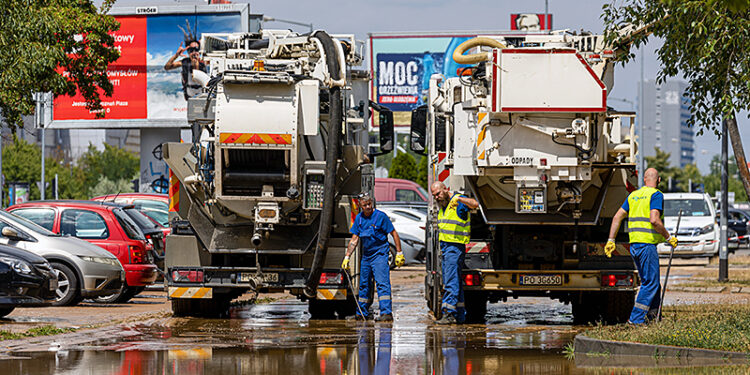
{"type": "Point", "coordinates": [672, 241]}
{"type": "Point", "coordinates": [609, 248]}
{"type": "Point", "coordinates": [400, 261]}
{"type": "Point", "coordinates": [345, 263]}
{"type": "Point", "coordinates": [453, 204]}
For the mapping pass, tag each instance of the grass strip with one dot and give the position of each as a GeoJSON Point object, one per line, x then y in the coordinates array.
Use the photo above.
{"type": "Point", "coordinates": [46, 330]}
{"type": "Point", "coordinates": [710, 278]}
{"type": "Point", "coordinates": [706, 326]}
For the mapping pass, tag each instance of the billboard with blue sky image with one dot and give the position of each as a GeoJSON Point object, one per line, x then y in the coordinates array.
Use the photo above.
{"type": "Point", "coordinates": [401, 67]}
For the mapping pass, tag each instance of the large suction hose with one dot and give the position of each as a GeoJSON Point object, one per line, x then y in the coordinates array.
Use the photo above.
{"type": "Point", "coordinates": [332, 154]}
{"type": "Point", "coordinates": [460, 58]}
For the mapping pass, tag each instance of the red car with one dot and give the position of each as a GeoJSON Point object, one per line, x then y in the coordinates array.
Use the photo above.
{"type": "Point", "coordinates": [155, 206]}
{"type": "Point", "coordinates": [107, 226]}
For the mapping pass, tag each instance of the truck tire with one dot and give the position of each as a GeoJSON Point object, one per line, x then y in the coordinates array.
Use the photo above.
{"type": "Point", "coordinates": [619, 306]}
{"type": "Point", "coordinates": [346, 308]}
{"type": "Point", "coordinates": [216, 307]}
{"type": "Point", "coordinates": [476, 306]}
{"type": "Point", "coordinates": [67, 293]}
{"type": "Point", "coordinates": [606, 307]}
{"type": "Point", "coordinates": [6, 310]}
{"type": "Point", "coordinates": [321, 310]}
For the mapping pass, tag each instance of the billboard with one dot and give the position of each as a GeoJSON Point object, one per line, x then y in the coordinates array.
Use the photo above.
{"type": "Point", "coordinates": [401, 66]}
{"type": "Point", "coordinates": [146, 95]}
{"type": "Point", "coordinates": [531, 21]}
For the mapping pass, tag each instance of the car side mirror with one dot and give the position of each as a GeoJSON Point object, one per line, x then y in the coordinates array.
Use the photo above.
{"type": "Point", "coordinates": [11, 234]}
{"type": "Point", "coordinates": [418, 131]}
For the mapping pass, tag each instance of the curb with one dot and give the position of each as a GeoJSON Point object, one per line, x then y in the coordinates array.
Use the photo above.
{"type": "Point", "coordinates": [605, 353]}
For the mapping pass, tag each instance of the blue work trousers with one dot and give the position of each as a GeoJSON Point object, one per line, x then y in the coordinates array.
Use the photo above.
{"type": "Point", "coordinates": [453, 262]}
{"type": "Point", "coordinates": [647, 302]}
{"type": "Point", "coordinates": [375, 265]}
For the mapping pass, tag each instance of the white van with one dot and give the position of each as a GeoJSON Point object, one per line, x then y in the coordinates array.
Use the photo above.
{"type": "Point", "coordinates": [698, 233]}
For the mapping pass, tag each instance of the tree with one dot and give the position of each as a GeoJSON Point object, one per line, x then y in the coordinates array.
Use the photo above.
{"type": "Point", "coordinates": [113, 163]}
{"type": "Point", "coordinates": [58, 46]}
{"type": "Point", "coordinates": [106, 186]}
{"type": "Point", "coordinates": [22, 163]}
{"type": "Point", "coordinates": [403, 166]}
{"type": "Point", "coordinates": [712, 181]}
{"type": "Point", "coordinates": [422, 172]}
{"type": "Point", "coordinates": [708, 41]}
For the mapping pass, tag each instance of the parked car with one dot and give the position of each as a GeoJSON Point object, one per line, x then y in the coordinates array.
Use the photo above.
{"type": "Point", "coordinates": [104, 225]}
{"type": "Point", "coordinates": [83, 270]}
{"type": "Point", "coordinates": [394, 189]}
{"type": "Point", "coordinates": [26, 280]}
{"type": "Point", "coordinates": [156, 204]}
{"type": "Point", "coordinates": [739, 222]}
{"type": "Point", "coordinates": [698, 233]}
{"type": "Point", "coordinates": [410, 225]}
{"type": "Point", "coordinates": [153, 232]}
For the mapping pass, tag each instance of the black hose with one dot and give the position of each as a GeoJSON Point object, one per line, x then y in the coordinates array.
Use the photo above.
{"type": "Point", "coordinates": [332, 154]}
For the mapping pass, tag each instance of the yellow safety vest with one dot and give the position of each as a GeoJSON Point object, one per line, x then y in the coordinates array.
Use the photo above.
{"type": "Point", "coordinates": [640, 229]}
{"type": "Point", "coordinates": [451, 227]}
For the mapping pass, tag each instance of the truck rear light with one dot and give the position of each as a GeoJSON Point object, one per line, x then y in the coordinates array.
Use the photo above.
{"type": "Point", "coordinates": [331, 278]}
{"type": "Point", "coordinates": [472, 279]}
{"type": "Point", "coordinates": [615, 280]}
{"type": "Point", "coordinates": [543, 162]}
{"type": "Point", "coordinates": [193, 276]}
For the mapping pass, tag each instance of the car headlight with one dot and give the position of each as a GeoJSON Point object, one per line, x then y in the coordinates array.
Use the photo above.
{"type": "Point", "coordinates": [102, 260]}
{"type": "Point", "coordinates": [707, 229]}
{"type": "Point", "coordinates": [18, 265]}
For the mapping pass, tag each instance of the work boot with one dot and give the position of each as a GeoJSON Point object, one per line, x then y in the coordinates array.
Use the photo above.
{"type": "Point", "coordinates": [447, 319]}
{"type": "Point", "coordinates": [384, 318]}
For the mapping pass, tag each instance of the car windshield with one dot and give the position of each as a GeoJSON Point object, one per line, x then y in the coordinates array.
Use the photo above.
{"type": "Point", "coordinates": [30, 225]}
{"type": "Point", "coordinates": [689, 207]}
{"type": "Point", "coordinates": [423, 192]}
{"type": "Point", "coordinates": [159, 216]}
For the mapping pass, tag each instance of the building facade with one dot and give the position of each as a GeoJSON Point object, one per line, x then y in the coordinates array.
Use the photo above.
{"type": "Point", "coordinates": [665, 114]}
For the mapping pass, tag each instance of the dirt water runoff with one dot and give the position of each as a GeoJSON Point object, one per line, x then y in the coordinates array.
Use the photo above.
{"type": "Point", "coordinates": [523, 336]}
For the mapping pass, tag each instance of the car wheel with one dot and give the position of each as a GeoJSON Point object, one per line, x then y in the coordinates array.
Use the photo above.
{"type": "Point", "coordinates": [124, 295]}
{"type": "Point", "coordinates": [67, 285]}
{"type": "Point", "coordinates": [4, 311]}
{"type": "Point", "coordinates": [392, 257]}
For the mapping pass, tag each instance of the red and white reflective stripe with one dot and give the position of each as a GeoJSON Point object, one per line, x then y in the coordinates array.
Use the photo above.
{"type": "Point", "coordinates": [441, 173]}
{"type": "Point", "coordinates": [478, 247]}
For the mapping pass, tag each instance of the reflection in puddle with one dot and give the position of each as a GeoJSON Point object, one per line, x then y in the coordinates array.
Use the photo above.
{"type": "Point", "coordinates": [279, 338]}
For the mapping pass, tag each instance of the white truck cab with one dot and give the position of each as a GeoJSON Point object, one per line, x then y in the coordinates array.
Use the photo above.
{"type": "Point", "coordinates": [698, 234]}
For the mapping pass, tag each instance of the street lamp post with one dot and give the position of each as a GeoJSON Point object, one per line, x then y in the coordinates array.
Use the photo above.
{"type": "Point", "coordinates": [273, 19]}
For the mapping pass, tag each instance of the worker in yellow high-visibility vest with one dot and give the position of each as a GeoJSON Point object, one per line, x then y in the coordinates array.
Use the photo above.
{"type": "Point", "coordinates": [454, 229]}
{"type": "Point", "coordinates": [644, 209]}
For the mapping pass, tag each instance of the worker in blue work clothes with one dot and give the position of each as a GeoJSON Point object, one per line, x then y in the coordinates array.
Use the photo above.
{"type": "Point", "coordinates": [454, 227]}
{"type": "Point", "coordinates": [644, 209]}
{"type": "Point", "coordinates": [373, 227]}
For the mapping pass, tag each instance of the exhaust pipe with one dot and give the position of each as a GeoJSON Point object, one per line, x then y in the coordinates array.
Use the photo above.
{"type": "Point", "coordinates": [256, 240]}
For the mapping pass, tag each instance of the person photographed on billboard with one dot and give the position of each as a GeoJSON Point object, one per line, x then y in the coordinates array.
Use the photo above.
{"type": "Point", "coordinates": [188, 63]}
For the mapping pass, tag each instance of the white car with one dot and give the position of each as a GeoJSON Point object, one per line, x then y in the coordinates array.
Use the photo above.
{"type": "Point", "coordinates": [698, 233]}
{"type": "Point", "coordinates": [410, 225]}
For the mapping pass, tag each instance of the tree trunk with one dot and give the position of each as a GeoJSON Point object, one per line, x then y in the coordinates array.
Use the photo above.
{"type": "Point", "coordinates": [739, 152]}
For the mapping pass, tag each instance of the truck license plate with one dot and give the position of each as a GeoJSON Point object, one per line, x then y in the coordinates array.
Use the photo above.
{"type": "Point", "coordinates": [267, 277]}
{"type": "Point", "coordinates": [555, 279]}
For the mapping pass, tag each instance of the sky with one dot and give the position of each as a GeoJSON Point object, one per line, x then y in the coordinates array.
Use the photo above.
{"type": "Point", "coordinates": [361, 17]}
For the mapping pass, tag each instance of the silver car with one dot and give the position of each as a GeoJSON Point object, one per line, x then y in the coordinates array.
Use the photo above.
{"type": "Point", "coordinates": [83, 270]}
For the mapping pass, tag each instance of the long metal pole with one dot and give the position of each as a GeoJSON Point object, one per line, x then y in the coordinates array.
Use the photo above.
{"type": "Point", "coordinates": [669, 267]}
{"type": "Point", "coordinates": [723, 262]}
{"type": "Point", "coordinates": [641, 149]}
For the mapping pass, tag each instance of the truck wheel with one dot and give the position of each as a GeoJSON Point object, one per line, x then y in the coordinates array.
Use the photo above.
{"type": "Point", "coordinates": [67, 292]}
{"type": "Point", "coordinates": [476, 306]}
{"type": "Point", "coordinates": [585, 309]}
{"type": "Point", "coordinates": [619, 306]}
{"type": "Point", "coordinates": [346, 308]}
{"type": "Point", "coordinates": [216, 307]}
{"type": "Point", "coordinates": [321, 310]}
{"type": "Point", "coordinates": [6, 310]}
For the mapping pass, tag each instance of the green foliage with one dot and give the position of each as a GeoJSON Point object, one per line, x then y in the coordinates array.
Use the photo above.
{"type": "Point", "coordinates": [106, 186]}
{"type": "Point", "coordinates": [707, 326]}
{"type": "Point", "coordinates": [37, 37]}
{"type": "Point", "coordinates": [46, 330]}
{"type": "Point", "coordinates": [712, 181]}
{"type": "Point", "coordinates": [112, 163]}
{"type": "Point", "coordinates": [706, 41]}
{"type": "Point", "coordinates": [422, 172]}
{"type": "Point", "coordinates": [403, 166]}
